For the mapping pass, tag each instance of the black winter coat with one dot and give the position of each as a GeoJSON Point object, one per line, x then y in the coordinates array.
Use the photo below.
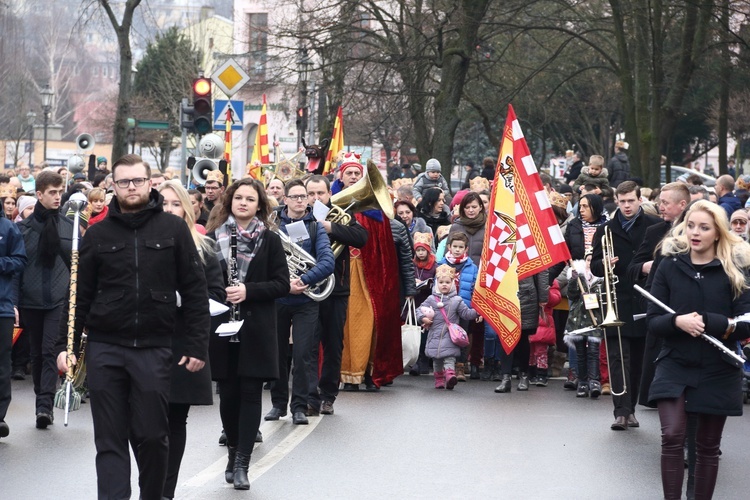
{"type": "Point", "coordinates": [692, 365]}
{"type": "Point", "coordinates": [405, 256]}
{"type": "Point", "coordinates": [573, 172]}
{"type": "Point", "coordinates": [194, 388]}
{"type": "Point", "coordinates": [131, 265]}
{"type": "Point", "coordinates": [618, 169]}
{"type": "Point", "coordinates": [43, 288]}
{"type": "Point", "coordinates": [625, 244]}
{"type": "Point", "coordinates": [352, 235]}
{"type": "Point", "coordinates": [532, 291]}
{"type": "Point", "coordinates": [267, 280]}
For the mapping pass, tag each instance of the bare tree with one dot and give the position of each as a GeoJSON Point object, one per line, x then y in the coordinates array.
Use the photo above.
{"type": "Point", "coordinates": [122, 31]}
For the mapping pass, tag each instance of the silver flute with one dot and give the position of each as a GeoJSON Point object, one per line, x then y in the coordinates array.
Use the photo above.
{"type": "Point", "coordinates": [708, 338]}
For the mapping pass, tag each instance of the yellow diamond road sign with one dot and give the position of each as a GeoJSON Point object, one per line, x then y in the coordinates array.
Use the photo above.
{"type": "Point", "coordinates": [230, 77]}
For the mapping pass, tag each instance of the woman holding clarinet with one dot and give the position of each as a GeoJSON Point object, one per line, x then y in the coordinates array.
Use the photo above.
{"type": "Point", "coordinates": [703, 278]}
{"type": "Point", "coordinates": [256, 273]}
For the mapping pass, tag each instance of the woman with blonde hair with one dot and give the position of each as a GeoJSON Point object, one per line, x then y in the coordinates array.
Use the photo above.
{"type": "Point", "coordinates": [97, 205]}
{"type": "Point", "coordinates": [187, 388]}
{"type": "Point", "coordinates": [703, 277]}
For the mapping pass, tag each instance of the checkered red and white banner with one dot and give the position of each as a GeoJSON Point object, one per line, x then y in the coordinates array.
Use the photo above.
{"type": "Point", "coordinates": [522, 236]}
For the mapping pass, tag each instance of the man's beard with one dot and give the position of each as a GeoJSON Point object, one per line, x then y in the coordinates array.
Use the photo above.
{"type": "Point", "coordinates": [136, 205]}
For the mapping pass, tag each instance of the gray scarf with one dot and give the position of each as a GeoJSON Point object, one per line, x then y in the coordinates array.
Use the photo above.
{"type": "Point", "coordinates": [249, 242]}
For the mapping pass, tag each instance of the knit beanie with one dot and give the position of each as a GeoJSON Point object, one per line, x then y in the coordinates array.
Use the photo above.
{"type": "Point", "coordinates": [432, 165]}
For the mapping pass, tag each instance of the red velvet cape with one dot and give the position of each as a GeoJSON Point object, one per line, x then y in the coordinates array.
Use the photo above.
{"type": "Point", "coordinates": [381, 274]}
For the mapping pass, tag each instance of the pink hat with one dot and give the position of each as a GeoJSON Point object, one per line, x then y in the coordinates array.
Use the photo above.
{"type": "Point", "coordinates": [457, 198]}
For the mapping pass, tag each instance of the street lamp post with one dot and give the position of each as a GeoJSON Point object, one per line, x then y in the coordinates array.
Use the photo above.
{"type": "Point", "coordinates": [30, 119]}
{"type": "Point", "coordinates": [47, 95]}
{"type": "Point", "coordinates": [304, 71]}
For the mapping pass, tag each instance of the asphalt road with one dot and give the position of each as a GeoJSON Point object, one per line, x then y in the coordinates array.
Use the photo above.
{"type": "Point", "coordinates": [407, 441]}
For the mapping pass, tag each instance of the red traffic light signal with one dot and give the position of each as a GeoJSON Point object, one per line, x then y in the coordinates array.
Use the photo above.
{"type": "Point", "coordinates": [302, 118]}
{"type": "Point", "coordinates": [202, 106]}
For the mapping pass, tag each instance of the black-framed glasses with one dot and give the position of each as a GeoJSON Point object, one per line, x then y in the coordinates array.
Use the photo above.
{"type": "Point", "coordinates": [137, 182]}
{"type": "Point", "coordinates": [297, 197]}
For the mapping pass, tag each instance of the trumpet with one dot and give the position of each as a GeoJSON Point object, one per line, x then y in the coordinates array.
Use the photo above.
{"type": "Point", "coordinates": [609, 297]}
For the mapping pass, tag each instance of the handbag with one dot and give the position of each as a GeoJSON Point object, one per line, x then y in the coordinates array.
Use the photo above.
{"type": "Point", "coordinates": [458, 335]}
{"type": "Point", "coordinates": [411, 334]}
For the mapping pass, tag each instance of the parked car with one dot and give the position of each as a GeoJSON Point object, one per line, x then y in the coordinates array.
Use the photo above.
{"type": "Point", "coordinates": [708, 180]}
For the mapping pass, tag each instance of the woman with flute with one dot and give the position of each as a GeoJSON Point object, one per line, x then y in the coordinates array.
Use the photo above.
{"type": "Point", "coordinates": [703, 277]}
{"type": "Point", "coordinates": [263, 276]}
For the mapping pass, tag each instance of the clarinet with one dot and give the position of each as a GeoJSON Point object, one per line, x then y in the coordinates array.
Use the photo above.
{"type": "Point", "coordinates": [233, 276]}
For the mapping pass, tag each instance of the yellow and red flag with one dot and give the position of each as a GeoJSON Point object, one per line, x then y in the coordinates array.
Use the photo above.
{"type": "Point", "coordinates": [228, 144]}
{"type": "Point", "coordinates": [522, 236]}
{"type": "Point", "coordinates": [260, 150]}
{"type": "Point", "coordinates": [337, 142]}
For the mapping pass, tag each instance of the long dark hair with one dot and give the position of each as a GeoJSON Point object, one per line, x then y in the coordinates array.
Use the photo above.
{"type": "Point", "coordinates": [224, 208]}
{"type": "Point", "coordinates": [429, 199]}
{"type": "Point", "coordinates": [596, 205]}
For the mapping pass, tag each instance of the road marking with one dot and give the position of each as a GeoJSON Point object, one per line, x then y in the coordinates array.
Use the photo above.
{"type": "Point", "coordinates": [257, 469]}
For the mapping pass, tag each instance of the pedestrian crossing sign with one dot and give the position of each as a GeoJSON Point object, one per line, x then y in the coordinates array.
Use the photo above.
{"type": "Point", "coordinates": [220, 114]}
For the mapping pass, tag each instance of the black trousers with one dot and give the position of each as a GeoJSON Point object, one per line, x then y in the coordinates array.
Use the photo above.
{"type": "Point", "coordinates": [129, 390]}
{"type": "Point", "coordinates": [329, 334]}
{"type": "Point", "coordinates": [6, 341]}
{"type": "Point", "coordinates": [632, 360]}
{"type": "Point", "coordinates": [241, 401]}
{"type": "Point", "coordinates": [303, 319]}
{"type": "Point", "coordinates": [178, 414]}
{"type": "Point", "coordinates": [21, 355]}
{"type": "Point", "coordinates": [42, 326]}
{"type": "Point", "coordinates": [520, 353]}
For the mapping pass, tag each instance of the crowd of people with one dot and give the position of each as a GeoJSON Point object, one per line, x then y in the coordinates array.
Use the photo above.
{"type": "Point", "coordinates": [295, 281]}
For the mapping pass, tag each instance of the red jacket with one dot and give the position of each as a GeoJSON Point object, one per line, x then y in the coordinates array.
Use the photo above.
{"type": "Point", "coordinates": [545, 332]}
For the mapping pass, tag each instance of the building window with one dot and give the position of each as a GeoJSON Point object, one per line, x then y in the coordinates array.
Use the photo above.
{"type": "Point", "coordinates": [257, 43]}
{"type": "Point", "coordinates": [105, 71]}
{"type": "Point", "coordinates": [94, 70]}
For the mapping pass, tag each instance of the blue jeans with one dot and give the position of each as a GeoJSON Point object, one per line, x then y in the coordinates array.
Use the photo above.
{"type": "Point", "coordinates": [492, 347]}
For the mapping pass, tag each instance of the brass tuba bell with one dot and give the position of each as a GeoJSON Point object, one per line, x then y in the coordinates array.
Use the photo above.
{"type": "Point", "coordinates": [368, 193]}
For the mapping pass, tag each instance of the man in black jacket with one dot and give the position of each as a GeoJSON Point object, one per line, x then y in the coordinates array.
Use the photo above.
{"type": "Point", "coordinates": [628, 227]}
{"type": "Point", "coordinates": [44, 287]}
{"type": "Point", "coordinates": [131, 264]}
{"type": "Point", "coordinates": [330, 331]}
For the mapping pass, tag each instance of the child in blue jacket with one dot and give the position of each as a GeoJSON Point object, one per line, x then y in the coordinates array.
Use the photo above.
{"type": "Point", "coordinates": [457, 257]}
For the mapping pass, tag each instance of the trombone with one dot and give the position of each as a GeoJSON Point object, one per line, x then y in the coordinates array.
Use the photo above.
{"type": "Point", "coordinates": [609, 297]}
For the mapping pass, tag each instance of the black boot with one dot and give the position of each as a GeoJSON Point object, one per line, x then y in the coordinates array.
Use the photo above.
{"type": "Point", "coordinates": [241, 464]}
{"type": "Point", "coordinates": [474, 372]}
{"type": "Point", "coordinates": [486, 374]}
{"type": "Point", "coordinates": [532, 375]}
{"type": "Point", "coordinates": [229, 471]}
{"type": "Point", "coordinates": [504, 385]}
{"type": "Point", "coordinates": [541, 377]}
{"type": "Point", "coordinates": [496, 376]}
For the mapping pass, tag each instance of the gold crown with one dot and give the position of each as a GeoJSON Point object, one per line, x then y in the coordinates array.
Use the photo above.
{"type": "Point", "coordinates": [478, 184]}
{"type": "Point", "coordinates": [445, 270]}
{"type": "Point", "coordinates": [425, 238]}
{"type": "Point", "coordinates": [215, 176]}
{"type": "Point", "coordinates": [557, 199]}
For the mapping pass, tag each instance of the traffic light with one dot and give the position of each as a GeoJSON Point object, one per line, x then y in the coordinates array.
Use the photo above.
{"type": "Point", "coordinates": [202, 107]}
{"type": "Point", "coordinates": [302, 118]}
{"type": "Point", "coordinates": [186, 115]}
